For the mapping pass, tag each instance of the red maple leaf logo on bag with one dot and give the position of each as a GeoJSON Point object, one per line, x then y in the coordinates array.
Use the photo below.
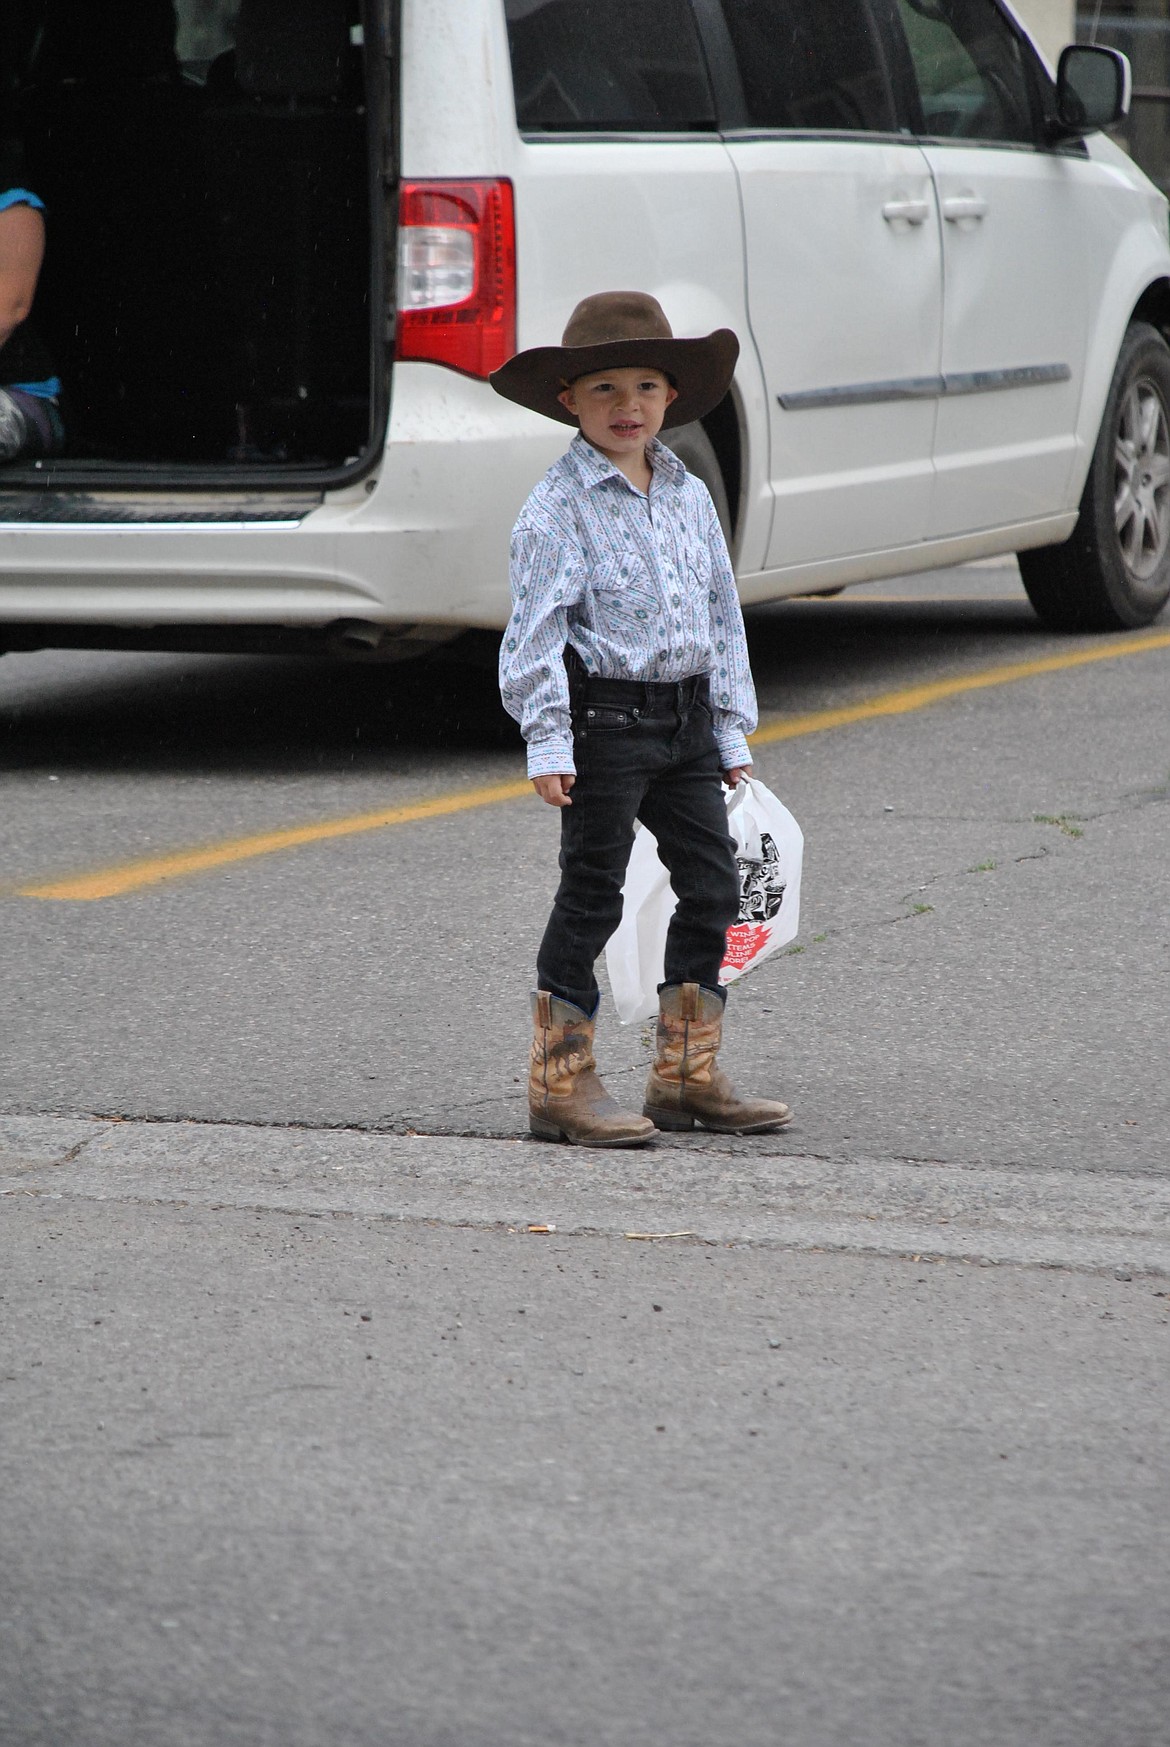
{"type": "Point", "coordinates": [745, 941]}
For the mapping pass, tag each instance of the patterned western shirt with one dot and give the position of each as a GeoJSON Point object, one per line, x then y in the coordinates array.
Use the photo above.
{"type": "Point", "coordinates": [641, 586]}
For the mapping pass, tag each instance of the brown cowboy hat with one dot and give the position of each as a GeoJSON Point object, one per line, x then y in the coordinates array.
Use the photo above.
{"type": "Point", "coordinates": [616, 329]}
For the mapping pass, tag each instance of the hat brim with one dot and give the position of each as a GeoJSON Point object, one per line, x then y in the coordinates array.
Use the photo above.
{"type": "Point", "coordinates": [701, 370]}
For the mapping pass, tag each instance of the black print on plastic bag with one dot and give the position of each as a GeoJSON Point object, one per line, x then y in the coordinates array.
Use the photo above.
{"type": "Point", "coordinates": [761, 884]}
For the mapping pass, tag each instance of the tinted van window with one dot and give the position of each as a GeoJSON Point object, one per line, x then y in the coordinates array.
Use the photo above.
{"type": "Point", "coordinates": [594, 65]}
{"type": "Point", "coordinates": [972, 80]}
{"type": "Point", "coordinates": [809, 65]}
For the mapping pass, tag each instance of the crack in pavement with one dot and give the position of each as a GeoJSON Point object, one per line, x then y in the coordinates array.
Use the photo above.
{"type": "Point", "coordinates": [76, 1151]}
{"type": "Point", "coordinates": [920, 1207]}
{"type": "Point", "coordinates": [1131, 803]}
{"type": "Point", "coordinates": [698, 1142]}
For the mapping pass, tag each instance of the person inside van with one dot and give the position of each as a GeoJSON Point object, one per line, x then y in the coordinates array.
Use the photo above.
{"type": "Point", "coordinates": [30, 412]}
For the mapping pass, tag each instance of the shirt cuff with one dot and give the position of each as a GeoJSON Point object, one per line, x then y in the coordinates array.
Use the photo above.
{"type": "Point", "coordinates": [733, 749]}
{"type": "Point", "coordinates": [551, 758]}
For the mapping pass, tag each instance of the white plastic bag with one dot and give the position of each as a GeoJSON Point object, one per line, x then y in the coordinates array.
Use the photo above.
{"type": "Point", "coordinates": [769, 847]}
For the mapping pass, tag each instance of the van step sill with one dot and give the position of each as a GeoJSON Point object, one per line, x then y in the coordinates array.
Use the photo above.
{"type": "Point", "coordinates": [185, 507]}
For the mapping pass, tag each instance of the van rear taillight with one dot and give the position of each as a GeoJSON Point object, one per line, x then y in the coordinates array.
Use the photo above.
{"type": "Point", "coordinates": [457, 274]}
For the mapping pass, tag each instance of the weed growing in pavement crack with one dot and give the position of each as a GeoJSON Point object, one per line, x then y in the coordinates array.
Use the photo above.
{"type": "Point", "coordinates": [1062, 821]}
{"type": "Point", "coordinates": [982, 867]}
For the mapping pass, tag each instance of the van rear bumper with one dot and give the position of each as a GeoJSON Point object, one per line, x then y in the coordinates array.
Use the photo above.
{"type": "Point", "coordinates": [423, 539]}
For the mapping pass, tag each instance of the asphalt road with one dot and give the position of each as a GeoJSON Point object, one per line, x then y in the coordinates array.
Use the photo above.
{"type": "Point", "coordinates": [977, 982]}
{"type": "Point", "coordinates": [854, 1434]}
{"type": "Point", "coordinates": [568, 1492]}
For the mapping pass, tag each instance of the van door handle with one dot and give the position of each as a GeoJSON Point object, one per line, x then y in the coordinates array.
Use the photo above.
{"type": "Point", "coordinates": [964, 206]}
{"type": "Point", "coordinates": [909, 211]}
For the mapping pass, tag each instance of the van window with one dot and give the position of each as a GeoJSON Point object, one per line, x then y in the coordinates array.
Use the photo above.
{"type": "Point", "coordinates": [969, 66]}
{"type": "Point", "coordinates": [608, 65]}
{"type": "Point", "coordinates": [809, 66]}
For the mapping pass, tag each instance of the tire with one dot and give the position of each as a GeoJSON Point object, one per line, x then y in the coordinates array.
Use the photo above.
{"type": "Point", "coordinates": [1113, 572]}
{"type": "Point", "coordinates": [695, 450]}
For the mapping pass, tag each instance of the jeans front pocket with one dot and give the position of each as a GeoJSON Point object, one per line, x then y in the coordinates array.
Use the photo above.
{"type": "Point", "coordinates": [604, 719]}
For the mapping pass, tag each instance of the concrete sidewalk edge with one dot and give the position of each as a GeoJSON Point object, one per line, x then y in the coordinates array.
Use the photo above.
{"type": "Point", "coordinates": [1042, 1217]}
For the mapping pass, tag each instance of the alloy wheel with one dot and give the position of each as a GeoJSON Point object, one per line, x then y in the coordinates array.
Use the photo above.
{"type": "Point", "coordinates": [1141, 495]}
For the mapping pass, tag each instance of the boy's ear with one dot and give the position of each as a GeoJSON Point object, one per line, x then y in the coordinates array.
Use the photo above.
{"type": "Point", "coordinates": [671, 393]}
{"type": "Point", "coordinates": [568, 398]}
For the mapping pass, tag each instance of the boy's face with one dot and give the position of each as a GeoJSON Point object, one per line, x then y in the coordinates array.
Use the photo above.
{"type": "Point", "coordinates": [619, 411]}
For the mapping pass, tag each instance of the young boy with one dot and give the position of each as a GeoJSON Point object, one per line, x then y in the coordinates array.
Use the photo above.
{"type": "Point", "coordinates": [626, 665]}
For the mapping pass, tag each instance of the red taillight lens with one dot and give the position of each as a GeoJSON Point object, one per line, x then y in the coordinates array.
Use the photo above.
{"type": "Point", "coordinates": [457, 274]}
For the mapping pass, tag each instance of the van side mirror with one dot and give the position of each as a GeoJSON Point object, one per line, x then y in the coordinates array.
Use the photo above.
{"type": "Point", "coordinates": [1093, 89]}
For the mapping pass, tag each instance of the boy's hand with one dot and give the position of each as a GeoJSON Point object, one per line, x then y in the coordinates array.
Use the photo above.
{"type": "Point", "coordinates": [736, 774]}
{"type": "Point", "coordinates": [554, 789]}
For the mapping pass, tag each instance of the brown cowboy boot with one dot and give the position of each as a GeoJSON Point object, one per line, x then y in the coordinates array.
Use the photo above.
{"type": "Point", "coordinates": [566, 1099]}
{"type": "Point", "coordinates": [685, 1086]}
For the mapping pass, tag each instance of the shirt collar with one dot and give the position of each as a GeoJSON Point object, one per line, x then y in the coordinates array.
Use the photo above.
{"type": "Point", "coordinates": [594, 468]}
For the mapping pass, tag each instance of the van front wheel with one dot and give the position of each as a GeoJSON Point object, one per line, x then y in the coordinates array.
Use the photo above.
{"type": "Point", "coordinates": [1113, 572]}
{"type": "Point", "coordinates": [696, 451]}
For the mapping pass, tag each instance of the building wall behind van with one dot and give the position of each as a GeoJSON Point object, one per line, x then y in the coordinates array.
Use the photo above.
{"type": "Point", "coordinates": [1051, 22]}
{"type": "Point", "coordinates": [1141, 30]}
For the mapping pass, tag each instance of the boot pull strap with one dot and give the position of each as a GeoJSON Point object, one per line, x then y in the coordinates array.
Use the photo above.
{"type": "Point", "coordinates": [544, 1009]}
{"type": "Point", "coordinates": [688, 1006]}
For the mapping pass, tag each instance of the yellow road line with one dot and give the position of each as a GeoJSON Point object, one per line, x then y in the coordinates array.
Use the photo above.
{"type": "Point", "coordinates": [116, 882]}
{"type": "Point", "coordinates": [919, 697]}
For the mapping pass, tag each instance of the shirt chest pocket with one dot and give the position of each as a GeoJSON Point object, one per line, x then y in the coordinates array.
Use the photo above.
{"type": "Point", "coordinates": [624, 594]}
{"type": "Point", "coordinates": [699, 568]}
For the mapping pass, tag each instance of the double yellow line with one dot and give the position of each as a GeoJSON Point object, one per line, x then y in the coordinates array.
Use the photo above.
{"type": "Point", "coordinates": [133, 876]}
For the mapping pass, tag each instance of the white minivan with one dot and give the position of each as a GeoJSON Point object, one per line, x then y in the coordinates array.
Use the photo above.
{"type": "Point", "coordinates": [288, 240]}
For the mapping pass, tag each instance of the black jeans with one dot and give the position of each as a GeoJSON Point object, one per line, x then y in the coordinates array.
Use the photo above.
{"type": "Point", "coordinates": [642, 751]}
